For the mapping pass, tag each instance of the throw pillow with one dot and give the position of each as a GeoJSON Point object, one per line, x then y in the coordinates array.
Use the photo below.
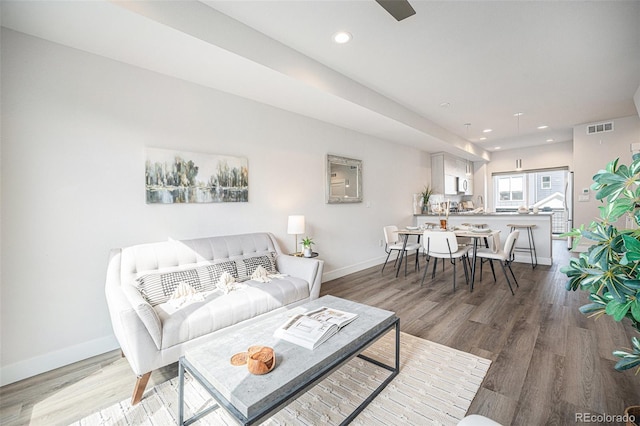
{"type": "Point", "coordinates": [158, 288]}
{"type": "Point", "coordinates": [216, 271]}
{"type": "Point", "coordinates": [248, 265]}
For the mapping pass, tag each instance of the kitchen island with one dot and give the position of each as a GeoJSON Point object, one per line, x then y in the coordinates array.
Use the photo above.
{"type": "Point", "coordinates": [499, 221]}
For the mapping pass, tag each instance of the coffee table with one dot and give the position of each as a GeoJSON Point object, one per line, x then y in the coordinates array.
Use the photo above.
{"type": "Point", "coordinates": [252, 398]}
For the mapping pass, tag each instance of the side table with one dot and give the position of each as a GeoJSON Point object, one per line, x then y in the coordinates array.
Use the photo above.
{"type": "Point", "coordinates": [300, 254]}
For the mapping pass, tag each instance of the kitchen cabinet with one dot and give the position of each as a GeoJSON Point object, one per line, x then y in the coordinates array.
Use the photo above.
{"type": "Point", "coordinates": [450, 184]}
{"type": "Point", "coordinates": [451, 175]}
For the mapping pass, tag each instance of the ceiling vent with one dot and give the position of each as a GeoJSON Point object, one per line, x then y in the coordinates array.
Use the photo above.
{"type": "Point", "coordinates": [599, 128]}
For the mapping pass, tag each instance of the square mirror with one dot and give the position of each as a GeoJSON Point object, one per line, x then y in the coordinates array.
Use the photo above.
{"type": "Point", "coordinates": [344, 180]}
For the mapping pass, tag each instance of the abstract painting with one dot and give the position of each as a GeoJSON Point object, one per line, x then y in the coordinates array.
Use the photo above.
{"type": "Point", "coordinates": [188, 177]}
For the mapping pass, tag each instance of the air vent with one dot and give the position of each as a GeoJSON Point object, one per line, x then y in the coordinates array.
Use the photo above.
{"type": "Point", "coordinates": [599, 128]}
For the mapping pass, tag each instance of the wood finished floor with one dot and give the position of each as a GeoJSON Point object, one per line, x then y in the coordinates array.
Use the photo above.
{"type": "Point", "coordinates": [549, 361]}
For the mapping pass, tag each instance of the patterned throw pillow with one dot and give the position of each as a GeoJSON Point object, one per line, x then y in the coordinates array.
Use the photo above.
{"type": "Point", "coordinates": [158, 288]}
{"type": "Point", "coordinates": [216, 270]}
{"type": "Point", "coordinates": [248, 265]}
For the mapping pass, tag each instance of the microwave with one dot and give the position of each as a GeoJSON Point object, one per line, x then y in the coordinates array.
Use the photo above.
{"type": "Point", "coordinates": [463, 185]}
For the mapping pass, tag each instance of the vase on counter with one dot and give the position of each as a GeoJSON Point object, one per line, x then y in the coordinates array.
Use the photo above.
{"type": "Point", "coordinates": [417, 204]}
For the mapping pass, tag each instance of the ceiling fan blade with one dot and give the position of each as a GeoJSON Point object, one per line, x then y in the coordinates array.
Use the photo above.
{"type": "Point", "coordinates": [399, 9]}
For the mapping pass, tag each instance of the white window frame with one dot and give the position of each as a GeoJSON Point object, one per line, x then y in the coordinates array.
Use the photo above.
{"type": "Point", "coordinates": [545, 182]}
{"type": "Point", "coordinates": [510, 202]}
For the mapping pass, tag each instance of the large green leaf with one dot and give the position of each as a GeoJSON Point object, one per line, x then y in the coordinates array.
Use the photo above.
{"type": "Point", "coordinates": [628, 362]}
{"type": "Point", "coordinates": [619, 208]}
{"type": "Point", "coordinates": [592, 308]}
{"type": "Point", "coordinates": [633, 284]}
{"type": "Point", "coordinates": [635, 309]}
{"type": "Point", "coordinates": [618, 310]}
{"type": "Point", "coordinates": [632, 245]}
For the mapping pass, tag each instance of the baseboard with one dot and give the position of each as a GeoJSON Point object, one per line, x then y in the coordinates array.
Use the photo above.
{"type": "Point", "coordinates": [50, 361]}
{"type": "Point", "coordinates": [341, 272]}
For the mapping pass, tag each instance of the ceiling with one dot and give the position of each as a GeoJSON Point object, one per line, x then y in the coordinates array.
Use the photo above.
{"type": "Point", "coordinates": [434, 81]}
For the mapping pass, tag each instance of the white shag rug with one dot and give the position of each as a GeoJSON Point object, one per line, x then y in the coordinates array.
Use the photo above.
{"type": "Point", "coordinates": [435, 386]}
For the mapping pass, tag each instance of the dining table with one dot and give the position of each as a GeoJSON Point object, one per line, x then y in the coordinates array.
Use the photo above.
{"type": "Point", "coordinates": [477, 235]}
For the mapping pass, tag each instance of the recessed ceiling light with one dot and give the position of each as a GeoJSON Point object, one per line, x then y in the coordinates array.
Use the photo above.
{"type": "Point", "coordinates": [497, 147]}
{"type": "Point", "coordinates": [544, 126]}
{"type": "Point", "coordinates": [549, 140]}
{"type": "Point", "coordinates": [342, 37]}
{"type": "Point", "coordinates": [487, 130]}
{"type": "Point", "coordinates": [484, 138]}
{"type": "Point", "coordinates": [445, 105]}
{"type": "Point", "coordinates": [518, 114]}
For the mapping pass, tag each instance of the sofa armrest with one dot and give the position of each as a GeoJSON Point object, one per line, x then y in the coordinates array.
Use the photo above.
{"type": "Point", "coordinates": [146, 313]}
{"type": "Point", "coordinates": [309, 270]}
{"type": "Point", "coordinates": [122, 300]}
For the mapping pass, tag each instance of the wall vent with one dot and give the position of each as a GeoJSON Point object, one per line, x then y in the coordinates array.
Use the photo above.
{"type": "Point", "coordinates": [600, 127]}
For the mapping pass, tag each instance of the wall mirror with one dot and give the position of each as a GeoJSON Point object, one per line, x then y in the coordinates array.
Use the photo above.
{"type": "Point", "coordinates": [344, 180]}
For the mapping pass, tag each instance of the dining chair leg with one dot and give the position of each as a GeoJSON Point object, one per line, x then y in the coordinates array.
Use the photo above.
{"type": "Point", "coordinates": [435, 266]}
{"type": "Point", "coordinates": [406, 263]}
{"type": "Point", "coordinates": [454, 275]}
{"type": "Point", "coordinates": [514, 277]}
{"type": "Point", "coordinates": [385, 262]}
{"type": "Point", "coordinates": [507, 278]}
{"type": "Point", "coordinates": [397, 257]}
{"type": "Point", "coordinates": [424, 275]}
{"type": "Point", "coordinates": [466, 272]}
{"type": "Point", "coordinates": [417, 257]}
{"type": "Point", "coordinates": [493, 271]}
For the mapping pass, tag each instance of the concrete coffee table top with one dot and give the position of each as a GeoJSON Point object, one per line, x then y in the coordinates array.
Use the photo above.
{"type": "Point", "coordinates": [251, 394]}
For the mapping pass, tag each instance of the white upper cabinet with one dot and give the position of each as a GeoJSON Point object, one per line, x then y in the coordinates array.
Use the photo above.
{"type": "Point", "coordinates": [451, 175]}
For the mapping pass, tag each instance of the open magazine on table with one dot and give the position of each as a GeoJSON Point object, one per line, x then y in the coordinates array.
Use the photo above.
{"type": "Point", "coordinates": [313, 328]}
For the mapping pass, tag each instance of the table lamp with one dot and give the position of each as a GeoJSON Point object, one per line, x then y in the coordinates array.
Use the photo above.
{"type": "Point", "coordinates": [296, 227]}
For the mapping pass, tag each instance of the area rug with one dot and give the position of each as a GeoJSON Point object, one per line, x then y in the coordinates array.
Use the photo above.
{"type": "Point", "coordinates": [435, 386]}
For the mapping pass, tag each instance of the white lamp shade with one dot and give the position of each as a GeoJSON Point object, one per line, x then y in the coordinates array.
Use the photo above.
{"type": "Point", "coordinates": [296, 224]}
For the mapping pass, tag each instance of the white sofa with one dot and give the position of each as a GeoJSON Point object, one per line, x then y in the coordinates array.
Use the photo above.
{"type": "Point", "coordinates": [154, 332]}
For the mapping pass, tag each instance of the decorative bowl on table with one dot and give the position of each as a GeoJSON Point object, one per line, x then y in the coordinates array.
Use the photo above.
{"type": "Point", "coordinates": [259, 359]}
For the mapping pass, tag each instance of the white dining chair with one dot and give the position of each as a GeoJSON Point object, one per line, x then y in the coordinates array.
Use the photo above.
{"type": "Point", "coordinates": [393, 242]}
{"type": "Point", "coordinates": [444, 245]}
{"type": "Point", "coordinates": [504, 256]}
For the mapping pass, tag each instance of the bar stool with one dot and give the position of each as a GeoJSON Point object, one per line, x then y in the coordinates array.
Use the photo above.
{"type": "Point", "coordinates": [532, 245]}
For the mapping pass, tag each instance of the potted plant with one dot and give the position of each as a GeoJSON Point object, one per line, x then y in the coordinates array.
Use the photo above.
{"type": "Point", "coordinates": [306, 245]}
{"type": "Point", "coordinates": [426, 194]}
{"type": "Point", "coordinates": [610, 269]}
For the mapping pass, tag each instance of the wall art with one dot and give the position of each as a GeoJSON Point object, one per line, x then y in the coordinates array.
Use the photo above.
{"type": "Point", "coordinates": [188, 177]}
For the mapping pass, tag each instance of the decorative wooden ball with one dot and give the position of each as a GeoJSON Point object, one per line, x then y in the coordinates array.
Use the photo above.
{"type": "Point", "coordinates": [261, 359]}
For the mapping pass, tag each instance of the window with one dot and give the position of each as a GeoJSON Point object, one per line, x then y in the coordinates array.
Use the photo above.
{"type": "Point", "coordinates": [545, 182]}
{"type": "Point", "coordinates": [511, 188]}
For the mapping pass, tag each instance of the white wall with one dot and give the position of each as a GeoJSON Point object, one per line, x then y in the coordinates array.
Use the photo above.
{"type": "Point", "coordinates": [75, 128]}
{"type": "Point", "coordinates": [592, 153]}
{"type": "Point", "coordinates": [540, 157]}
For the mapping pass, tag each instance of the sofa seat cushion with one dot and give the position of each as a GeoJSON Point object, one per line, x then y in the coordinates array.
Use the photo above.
{"type": "Point", "coordinates": [220, 310]}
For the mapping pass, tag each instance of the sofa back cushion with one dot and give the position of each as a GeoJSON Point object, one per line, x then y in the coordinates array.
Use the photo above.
{"type": "Point", "coordinates": [174, 255]}
{"type": "Point", "coordinates": [156, 269]}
